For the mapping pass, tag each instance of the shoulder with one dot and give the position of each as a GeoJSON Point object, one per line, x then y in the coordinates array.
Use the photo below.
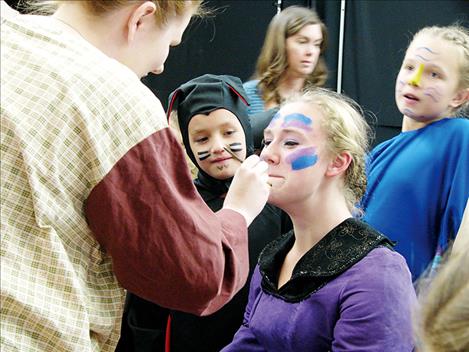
{"type": "Point", "coordinates": [380, 269]}
{"type": "Point", "coordinates": [457, 126]}
{"type": "Point", "coordinates": [251, 85]}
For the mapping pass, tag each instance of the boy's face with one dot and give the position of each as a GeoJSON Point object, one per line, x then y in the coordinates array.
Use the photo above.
{"type": "Point", "coordinates": [427, 83]}
{"type": "Point", "coordinates": [209, 135]}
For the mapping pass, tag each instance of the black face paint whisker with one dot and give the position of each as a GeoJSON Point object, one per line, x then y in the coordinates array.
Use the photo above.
{"type": "Point", "coordinates": [203, 155]}
{"type": "Point", "coordinates": [235, 147]}
{"type": "Point", "coordinates": [232, 154]}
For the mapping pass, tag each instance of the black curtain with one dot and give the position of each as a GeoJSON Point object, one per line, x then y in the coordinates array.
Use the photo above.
{"type": "Point", "coordinates": [377, 32]}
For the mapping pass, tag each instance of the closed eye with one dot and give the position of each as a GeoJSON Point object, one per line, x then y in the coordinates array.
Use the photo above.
{"type": "Point", "coordinates": [291, 143]}
{"type": "Point", "coordinates": [201, 140]}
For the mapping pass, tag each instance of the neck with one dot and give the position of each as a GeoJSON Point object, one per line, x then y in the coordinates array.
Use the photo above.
{"type": "Point", "coordinates": [311, 222]}
{"type": "Point", "coordinates": [98, 31]}
{"type": "Point", "coordinates": [290, 84]}
{"type": "Point", "coordinates": [410, 124]}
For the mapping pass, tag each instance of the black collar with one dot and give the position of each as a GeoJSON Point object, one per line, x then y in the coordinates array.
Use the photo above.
{"type": "Point", "coordinates": [341, 248]}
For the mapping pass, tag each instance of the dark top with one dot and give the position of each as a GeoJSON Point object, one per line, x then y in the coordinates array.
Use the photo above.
{"type": "Point", "coordinates": [144, 323]}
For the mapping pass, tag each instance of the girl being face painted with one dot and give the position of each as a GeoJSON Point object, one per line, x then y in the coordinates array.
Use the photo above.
{"type": "Point", "coordinates": [295, 149]}
{"type": "Point", "coordinates": [209, 135]}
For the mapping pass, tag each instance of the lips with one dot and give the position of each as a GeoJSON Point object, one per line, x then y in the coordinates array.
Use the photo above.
{"type": "Point", "coordinates": [411, 97]}
{"type": "Point", "coordinates": [219, 160]}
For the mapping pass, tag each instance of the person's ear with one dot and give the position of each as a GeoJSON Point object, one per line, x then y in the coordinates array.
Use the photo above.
{"type": "Point", "coordinates": [139, 15]}
{"type": "Point", "coordinates": [460, 98]}
{"type": "Point", "coordinates": [339, 164]}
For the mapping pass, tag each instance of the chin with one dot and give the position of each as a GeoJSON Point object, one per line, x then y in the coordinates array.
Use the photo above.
{"type": "Point", "coordinates": [275, 199]}
{"type": "Point", "coordinates": [223, 176]}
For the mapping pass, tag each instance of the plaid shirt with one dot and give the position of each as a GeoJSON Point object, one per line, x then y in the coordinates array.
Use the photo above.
{"type": "Point", "coordinates": [62, 130]}
{"type": "Point", "coordinates": [90, 172]}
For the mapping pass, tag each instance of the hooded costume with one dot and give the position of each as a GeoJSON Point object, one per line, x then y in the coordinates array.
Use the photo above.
{"type": "Point", "coordinates": [144, 325]}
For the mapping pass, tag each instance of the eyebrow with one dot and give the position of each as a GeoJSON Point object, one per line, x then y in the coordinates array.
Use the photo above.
{"type": "Point", "coordinates": [287, 130]}
{"type": "Point", "coordinates": [223, 125]}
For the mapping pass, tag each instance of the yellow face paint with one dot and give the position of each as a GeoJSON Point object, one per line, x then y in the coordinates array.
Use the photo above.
{"type": "Point", "coordinates": [415, 80]}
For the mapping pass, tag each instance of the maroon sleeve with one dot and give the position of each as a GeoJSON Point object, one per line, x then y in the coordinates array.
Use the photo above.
{"type": "Point", "coordinates": [167, 246]}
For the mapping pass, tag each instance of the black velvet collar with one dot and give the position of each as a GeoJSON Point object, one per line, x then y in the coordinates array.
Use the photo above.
{"type": "Point", "coordinates": [341, 248]}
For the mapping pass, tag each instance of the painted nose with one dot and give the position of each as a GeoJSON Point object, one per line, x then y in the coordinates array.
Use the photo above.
{"type": "Point", "coordinates": [415, 79]}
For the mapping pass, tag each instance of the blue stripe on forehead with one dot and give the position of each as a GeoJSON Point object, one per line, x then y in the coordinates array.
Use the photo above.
{"type": "Point", "coordinates": [297, 120]}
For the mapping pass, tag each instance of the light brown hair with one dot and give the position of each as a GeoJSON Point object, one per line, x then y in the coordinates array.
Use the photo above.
{"type": "Point", "coordinates": [347, 131]}
{"type": "Point", "coordinates": [164, 8]}
{"type": "Point", "coordinates": [272, 61]}
{"type": "Point", "coordinates": [442, 324]}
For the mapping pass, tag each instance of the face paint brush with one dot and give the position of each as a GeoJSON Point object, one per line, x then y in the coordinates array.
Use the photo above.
{"type": "Point", "coordinates": [232, 154]}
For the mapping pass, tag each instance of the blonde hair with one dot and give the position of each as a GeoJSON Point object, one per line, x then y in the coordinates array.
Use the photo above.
{"type": "Point", "coordinates": [442, 324]}
{"type": "Point", "coordinates": [272, 61]}
{"type": "Point", "coordinates": [458, 36]}
{"type": "Point", "coordinates": [346, 130]}
{"type": "Point", "coordinates": [164, 8]}
{"type": "Point", "coordinates": [174, 125]}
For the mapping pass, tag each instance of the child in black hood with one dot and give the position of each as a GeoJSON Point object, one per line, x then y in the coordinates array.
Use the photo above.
{"type": "Point", "coordinates": [210, 112]}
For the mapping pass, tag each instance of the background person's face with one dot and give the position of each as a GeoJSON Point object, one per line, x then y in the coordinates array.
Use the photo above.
{"type": "Point", "coordinates": [303, 50]}
{"type": "Point", "coordinates": [427, 95]}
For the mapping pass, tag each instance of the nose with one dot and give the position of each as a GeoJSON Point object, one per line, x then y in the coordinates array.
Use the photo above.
{"type": "Point", "coordinates": [416, 77]}
{"type": "Point", "coordinates": [269, 155]}
{"type": "Point", "coordinates": [217, 145]}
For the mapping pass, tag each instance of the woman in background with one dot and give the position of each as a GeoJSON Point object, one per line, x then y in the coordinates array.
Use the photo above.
{"type": "Point", "coordinates": [290, 60]}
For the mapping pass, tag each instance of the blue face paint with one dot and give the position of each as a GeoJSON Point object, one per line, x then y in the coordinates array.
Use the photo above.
{"type": "Point", "coordinates": [297, 120]}
{"type": "Point", "coordinates": [275, 118]}
{"type": "Point", "coordinates": [303, 158]}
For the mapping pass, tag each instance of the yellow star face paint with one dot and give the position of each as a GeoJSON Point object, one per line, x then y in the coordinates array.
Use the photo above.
{"type": "Point", "coordinates": [415, 80]}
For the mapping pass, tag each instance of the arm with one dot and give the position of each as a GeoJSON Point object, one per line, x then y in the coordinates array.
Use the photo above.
{"type": "Point", "coordinates": [244, 339]}
{"type": "Point", "coordinates": [375, 306]}
{"type": "Point", "coordinates": [461, 243]}
{"type": "Point", "coordinates": [167, 246]}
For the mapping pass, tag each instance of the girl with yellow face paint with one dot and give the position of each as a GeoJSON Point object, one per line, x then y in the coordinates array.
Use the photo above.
{"type": "Point", "coordinates": [417, 181]}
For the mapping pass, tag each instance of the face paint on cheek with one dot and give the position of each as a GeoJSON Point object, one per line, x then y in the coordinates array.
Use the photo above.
{"type": "Point", "coordinates": [236, 147]}
{"type": "Point", "coordinates": [399, 86]}
{"type": "Point", "coordinates": [203, 155]}
{"type": "Point", "coordinates": [298, 121]}
{"type": "Point", "coordinates": [303, 158]}
{"type": "Point", "coordinates": [433, 93]}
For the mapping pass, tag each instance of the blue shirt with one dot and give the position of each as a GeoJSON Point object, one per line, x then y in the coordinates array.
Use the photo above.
{"type": "Point", "coordinates": [418, 186]}
{"type": "Point", "coordinates": [256, 103]}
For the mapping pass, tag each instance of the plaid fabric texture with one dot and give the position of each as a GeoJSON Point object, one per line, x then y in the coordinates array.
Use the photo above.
{"type": "Point", "coordinates": [68, 114]}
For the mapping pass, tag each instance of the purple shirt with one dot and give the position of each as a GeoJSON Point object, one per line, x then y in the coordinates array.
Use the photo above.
{"type": "Point", "coordinates": [366, 308]}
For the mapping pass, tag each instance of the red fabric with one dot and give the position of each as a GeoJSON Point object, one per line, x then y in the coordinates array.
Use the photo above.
{"type": "Point", "coordinates": [167, 345]}
{"type": "Point", "coordinates": [167, 246]}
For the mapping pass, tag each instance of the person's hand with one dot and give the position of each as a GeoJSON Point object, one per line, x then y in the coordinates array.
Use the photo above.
{"type": "Point", "coordinates": [249, 189]}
